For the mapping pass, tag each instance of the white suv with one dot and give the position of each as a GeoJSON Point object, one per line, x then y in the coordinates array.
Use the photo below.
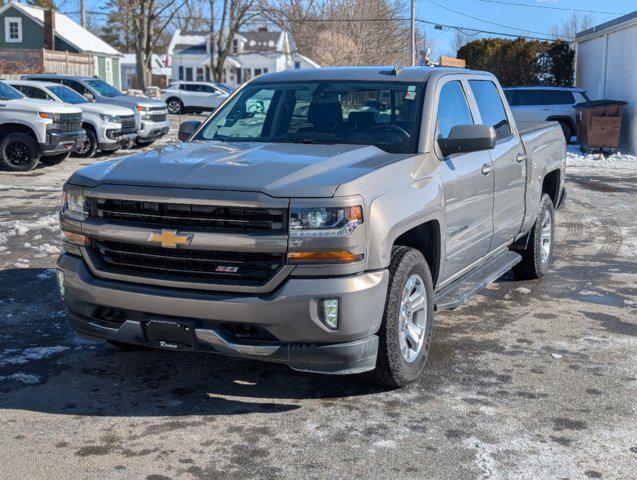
{"type": "Point", "coordinates": [107, 127]}
{"type": "Point", "coordinates": [182, 97]}
{"type": "Point", "coordinates": [537, 104]}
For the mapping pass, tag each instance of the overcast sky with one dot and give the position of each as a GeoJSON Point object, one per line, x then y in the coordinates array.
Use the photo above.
{"type": "Point", "coordinates": [511, 16]}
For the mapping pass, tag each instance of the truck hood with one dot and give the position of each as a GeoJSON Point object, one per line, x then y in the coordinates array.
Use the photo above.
{"type": "Point", "coordinates": [105, 109]}
{"type": "Point", "coordinates": [132, 102]}
{"type": "Point", "coordinates": [35, 105]}
{"type": "Point", "coordinates": [278, 170]}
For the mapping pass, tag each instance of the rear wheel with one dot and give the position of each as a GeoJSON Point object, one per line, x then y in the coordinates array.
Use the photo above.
{"type": "Point", "coordinates": [55, 159]}
{"type": "Point", "coordinates": [174, 106]}
{"type": "Point", "coordinates": [407, 326]}
{"type": "Point", "coordinates": [88, 147]}
{"type": "Point", "coordinates": [536, 258]}
{"type": "Point", "coordinates": [19, 152]}
{"type": "Point", "coordinates": [567, 130]}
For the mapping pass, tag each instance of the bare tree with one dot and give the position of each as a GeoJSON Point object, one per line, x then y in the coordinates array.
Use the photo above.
{"type": "Point", "coordinates": [577, 22]}
{"type": "Point", "coordinates": [460, 38]}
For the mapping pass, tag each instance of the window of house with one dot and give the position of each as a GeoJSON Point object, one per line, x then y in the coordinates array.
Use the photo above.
{"type": "Point", "coordinates": [181, 73]}
{"type": "Point", "coordinates": [13, 29]}
{"type": "Point", "coordinates": [235, 46]}
{"type": "Point", "coordinates": [297, 65]}
{"type": "Point", "coordinates": [257, 72]}
{"type": "Point", "coordinates": [189, 74]}
{"type": "Point", "coordinates": [207, 74]}
{"type": "Point", "coordinates": [491, 107]}
{"type": "Point", "coordinates": [247, 74]}
{"type": "Point", "coordinates": [199, 74]}
{"type": "Point", "coordinates": [109, 69]}
{"type": "Point", "coordinates": [453, 108]}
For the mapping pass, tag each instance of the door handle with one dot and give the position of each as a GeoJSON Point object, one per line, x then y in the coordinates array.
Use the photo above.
{"type": "Point", "coordinates": [520, 157]}
{"type": "Point", "coordinates": [486, 169]}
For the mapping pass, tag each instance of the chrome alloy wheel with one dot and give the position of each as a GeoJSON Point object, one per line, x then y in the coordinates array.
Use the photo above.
{"type": "Point", "coordinates": [412, 322]}
{"type": "Point", "coordinates": [84, 147]}
{"type": "Point", "coordinates": [174, 106]}
{"type": "Point", "coordinates": [546, 236]}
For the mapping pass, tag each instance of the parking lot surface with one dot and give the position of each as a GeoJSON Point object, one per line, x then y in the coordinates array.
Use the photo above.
{"type": "Point", "coordinates": [529, 380]}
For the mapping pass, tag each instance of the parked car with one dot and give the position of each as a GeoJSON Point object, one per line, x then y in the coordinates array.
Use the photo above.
{"type": "Point", "coordinates": [536, 103]}
{"type": "Point", "coordinates": [35, 130]}
{"type": "Point", "coordinates": [323, 240]}
{"type": "Point", "coordinates": [150, 114]}
{"type": "Point", "coordinates": [182, 97]}
{"type": "Point", "coordinates": [106, 127]}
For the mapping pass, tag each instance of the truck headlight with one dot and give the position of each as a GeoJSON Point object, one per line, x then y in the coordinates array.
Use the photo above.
{"type": "Point", "coordinates": [74, 206]}
{"type": "Point", "coordinates": [51, 116]}
{"type": "Point", "coordinates": [110, 118]}
{"type": "Point", "coordinates": [325, 221]}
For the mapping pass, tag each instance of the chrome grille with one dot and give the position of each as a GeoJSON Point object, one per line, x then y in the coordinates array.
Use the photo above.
{"type": "Point", "coordinates": [128, 123]}
{"type": "Point", "coordinates": [69, 122]}
{"type": "Point", "coordinates": [199, 217]}
{"type": "Point", "coordinates": [241, 268]}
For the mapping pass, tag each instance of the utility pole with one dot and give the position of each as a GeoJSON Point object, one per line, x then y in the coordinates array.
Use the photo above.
{"type": "Point", "coordinates": [83, 13]}
{"type": "Point", "coordinates": [412, 34]}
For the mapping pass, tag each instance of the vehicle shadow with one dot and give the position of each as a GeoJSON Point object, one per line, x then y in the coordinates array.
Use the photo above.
{"type": "Point", "coordinates": [45, 367]}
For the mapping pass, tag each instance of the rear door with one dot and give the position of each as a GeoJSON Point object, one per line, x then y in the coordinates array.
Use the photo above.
{"type": "Point", "coordinates": [509, 163]}
{"type": "Point", "coordinates": [468, 185]}
{"type": "Point", "coordinates": [527, 105]}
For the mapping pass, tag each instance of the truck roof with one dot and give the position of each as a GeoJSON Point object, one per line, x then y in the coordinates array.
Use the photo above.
{"type": "Point", "coordinates": [35, 83]}
{"type": "Point", "coordinates": [35, 76]}
{"type": "Point", "coordinates": [370, 74]}
{"type": "Point", "coordinates": [543, 87]}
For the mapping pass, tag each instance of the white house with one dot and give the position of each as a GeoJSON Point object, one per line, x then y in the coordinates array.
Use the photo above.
{"type": "Point", "coordinates": [253, 53]}
{"type": "Point", "coordinates": [606, 66]}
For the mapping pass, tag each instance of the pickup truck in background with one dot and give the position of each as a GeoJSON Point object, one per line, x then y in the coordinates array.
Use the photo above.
{"type": "Point", "coordinates": [320, 230]}
{"type": "Point", "coordinates": [151, 116]}
{"type": "Point", "coordinates": [35, 130]}
{"type": "Point", "coordinates": [106, 127]}
{"type": "Point", "coordinates": [540, 103]}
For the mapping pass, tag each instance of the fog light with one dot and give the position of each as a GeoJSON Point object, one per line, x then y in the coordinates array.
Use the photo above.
{"type": "Point", "coordinates": [330, 313]}
{"type": "Point", "coordinates": [59, 274]}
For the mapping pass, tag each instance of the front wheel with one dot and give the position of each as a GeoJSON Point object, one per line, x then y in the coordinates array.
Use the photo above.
{"type": "Point", "coordinates": [407, 325]}
{"type": "Point", "coordinates": [89, 145]}
{"type": "Point", "coordinates": [18, 152]}
{"type": "Point", "coordinates": [536, 258]}
{"type": "Point", "coordinates": [174, 106]}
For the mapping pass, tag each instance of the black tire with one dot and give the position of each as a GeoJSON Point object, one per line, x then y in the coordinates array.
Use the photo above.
{"type": "Point", "coordinates": [174, 106]}
{"type": "Point", "coordinates": [19, 152]}
{"type": "Point", "coordinates": [55, 159]}
{"type": "Point", "coordinates": [144, 143]}
{"type": "Point", "coordinates": [534, 265]}
{"type": "Point", "coordinates": [567, 130]}
{"type": "Point", "coordinates": [392, 368]}
{"type": "Point", "coordinates": [88, 148]}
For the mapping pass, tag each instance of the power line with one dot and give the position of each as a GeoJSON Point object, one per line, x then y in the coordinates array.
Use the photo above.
{"type": "Point", "coordinates": [483, 20]}
{"type": "Point", "coordinates": [549, 7]}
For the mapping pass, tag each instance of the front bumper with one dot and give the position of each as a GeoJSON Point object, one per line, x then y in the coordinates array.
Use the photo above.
{"type": "Point", "coordinates": [59, 142]}
{"type": "Point", "coordinates": [151, 130]}
{"type": "Point", "coordinates": [290, 317]}
{"type": "Point", "coordinates": [109, 144]}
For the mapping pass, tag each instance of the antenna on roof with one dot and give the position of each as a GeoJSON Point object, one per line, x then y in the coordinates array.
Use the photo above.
{"type": "Point", "coordinates": [398, 68]}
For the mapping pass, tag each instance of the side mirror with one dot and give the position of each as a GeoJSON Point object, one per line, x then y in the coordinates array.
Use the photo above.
{"type": "Point", "coordinates": [186, 129]}
{"type": "Point", "coordinates": [467, 138]}
{"type": "Point", "coordinates": [89, 96]}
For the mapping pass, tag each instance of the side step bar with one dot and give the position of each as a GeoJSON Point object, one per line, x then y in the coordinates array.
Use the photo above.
{"type": "Point", "coordinates": [458, 292]}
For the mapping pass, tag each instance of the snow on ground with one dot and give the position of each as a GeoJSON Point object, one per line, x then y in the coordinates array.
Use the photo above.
{"type": "Point", "coordinates": [15, 357]}
{"type": "Point", "coordinates": [616, 161]}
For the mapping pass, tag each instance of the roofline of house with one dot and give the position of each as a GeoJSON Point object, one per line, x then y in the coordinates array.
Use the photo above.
{"type": "Point", "coordinates": [612, 25]}
{"type": "Point", "coordinates": [18, 5]}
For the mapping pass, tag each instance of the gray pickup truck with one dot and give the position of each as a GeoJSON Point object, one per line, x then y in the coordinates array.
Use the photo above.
{"type": "Point", "coordinates": [316, 219]}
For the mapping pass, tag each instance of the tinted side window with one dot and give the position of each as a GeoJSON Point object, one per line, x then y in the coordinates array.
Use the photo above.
{"type": "Point", "coordinates": [521, 98]}
{"type": "Point", "coordinates": [558, 97]}
{"type": "Point", "coordinates": [453, 108]}
{"type": "Point", "coordinates": [33, 92]}
{"type": "Point", "coordinates": [491, 107]}
{"type": "Point", "coordinates": [77, 86]}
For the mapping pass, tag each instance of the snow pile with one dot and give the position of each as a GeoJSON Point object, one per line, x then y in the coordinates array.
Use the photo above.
{"type": "Point", "coordinates": [11, 357]}
{"type": "Point", "coordinates": [616, 161]}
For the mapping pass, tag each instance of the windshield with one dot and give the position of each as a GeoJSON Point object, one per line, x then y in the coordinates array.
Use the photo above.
{"type": "Point", "coordinates": [225, 87]}
{"type": "Point", "coordinates": [104, 88]}
{"type": "Point", "coordinates": [384, 114]}
{"type": "Point", "coordinates": [67, 95]}
{"type": "Point", "coordinates": [9, 93]}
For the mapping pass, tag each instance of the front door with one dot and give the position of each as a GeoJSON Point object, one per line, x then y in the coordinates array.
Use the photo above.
{"type": "Point", "coordinates": [509, 163]}
{"type": "Point", "coordinates": [468, 192]}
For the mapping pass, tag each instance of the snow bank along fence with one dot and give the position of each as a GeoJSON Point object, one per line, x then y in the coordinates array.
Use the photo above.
{"type": "Point", "coordinates": [21, 61]}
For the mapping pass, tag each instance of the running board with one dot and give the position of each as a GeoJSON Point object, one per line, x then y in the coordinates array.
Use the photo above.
{"type": "Point", "coordinates": [458, 292]}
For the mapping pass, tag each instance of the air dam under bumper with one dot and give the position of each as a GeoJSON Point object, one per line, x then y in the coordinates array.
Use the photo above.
{"type": "Point", "coordinates": [290, 315]}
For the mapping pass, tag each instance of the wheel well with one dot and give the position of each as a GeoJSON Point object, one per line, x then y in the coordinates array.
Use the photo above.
{"type": "Point", "coordinates": [88, 126]}
{"type": "Point", "coordinates": [173, 98]}
{"type": "Point", "coordinates": [17, 127]}
{"type": "Point", "coordinates": [551, 185]}
{"type": "Point", "coordinates": [567, 120]}
{"type": "Point", "coordinates": [426, 239]}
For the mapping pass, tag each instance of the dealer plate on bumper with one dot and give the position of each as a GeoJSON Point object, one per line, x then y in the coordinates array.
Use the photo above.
{"type": "Point", "coordinates": [168, 334]}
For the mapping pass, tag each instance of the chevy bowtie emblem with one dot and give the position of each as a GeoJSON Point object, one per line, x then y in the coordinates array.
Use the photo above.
{"type": "Point", "coordinates": [170, 238]}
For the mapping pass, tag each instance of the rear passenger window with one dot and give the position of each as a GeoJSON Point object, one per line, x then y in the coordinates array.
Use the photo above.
{"type": "Point", "coordinates": [558, 97]}
{"type": "Point", "coordinates": [521, 98]}
{"type": "Point", "coordinates": [491, 107]}
{"type": "Point", "coordinates": [452, 108]}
